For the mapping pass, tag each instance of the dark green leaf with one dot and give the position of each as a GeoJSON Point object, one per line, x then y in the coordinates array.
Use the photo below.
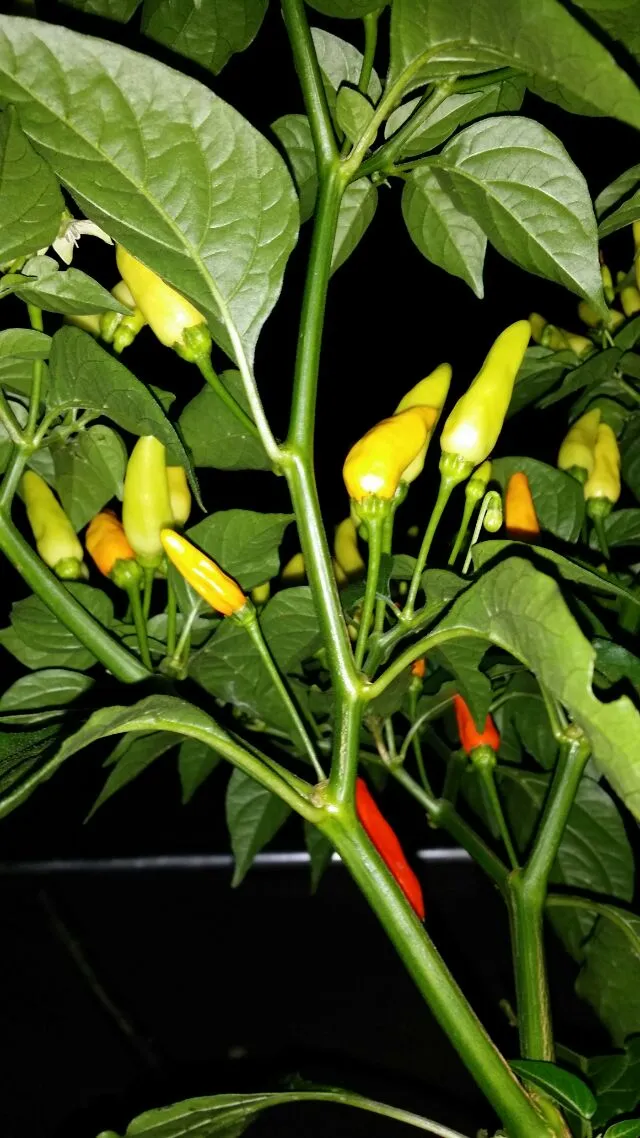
{"type": "Point", "coordinates": [619, 189]}
{"type": "Point", "coordinates": [619, 18]}
{"type": "Point", "coordinates": [31, 204]}
{"type": "Point", "coordinates": [540, 370]}
{"type": "Point", "coordinates": [121, 10]}
{"type": "Point", "coordinates": [610, 976]}
{"type": "Point", "coordinates": [444, 234]}
{"type": "Point", "coordinates": [595, 370]}
{"type": "Point", "coordinates": [622, 527]}
{"type": "Point", "coordinates": [39, 640]}
{"type": "Point", "coordinates": [89, 472]}
{"type": "Point", "coordinates": [213, 433]}
{"type": "Point", "coordinates": [558, 498]}
{"type": "Point", "coordinates": [626, 215]}
{"type": "Point", "coordinates": [294, 133]}
{"type": "Point", "coordinates": [320, 853]}
{"type": "Point", "coordinates": [207, 33]}
{"type": "Point", "coordinates": [616, 662]}
{"type": "Point", "coordinates": [196, 761]}
{"type": "Point", "coordinates": [254, 816]}
{"type": "Point", "coordinates": [243, 542]}
{"type": "Point", "coordinates": [136, 758]}
{"type": "Point", "coordinates": [630, 455]}
{"type": "Point", "coordinates": [346, 9]}
{"type": "Point", "coordinates": [357, 210]}
{"type": "Point", "coordinates": [68, 291]}
{"type": "Point", "coordinates": [24, 343]}
{"type": "Point", "coordinates": [565, 1088]}
{"type": "Point", "coordinates": [462, 658]}
{"type": "Point", "coordinates": [616, 1081]}
{"type": "Point", "coordinates": [628, 1129]}
{"type": "Point", "coordinates": [24, 754]}
{"type": "Point", "coordinates": [48, 688]}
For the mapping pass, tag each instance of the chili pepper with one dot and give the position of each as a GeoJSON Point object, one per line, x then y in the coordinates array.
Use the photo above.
{"type": "Point", "coordinates": [146, 506]}
{"type": "Point", "coordinates": [383, 837]}
{"type": "Point", "coordinates": [593, 319]}
{"type": "Point", "coordinates": [89, 323]}
{"type": "Point", "coordinates": [107, 544]}
{"type": "Point", "coordinates": [629, 297]}
{"type": "Point", "coordinates": [607, 282]}
{"type": "Point", "coordinates": [419, 667]}
{"type": "Point", "coordinates": [377, 463]}
{"type": "Point", "coordinates": [208, 579]}
{"type": "Point", "coordinates": [339, 573]}
{"type": "Point", "coordinates": [520, 513]}
{"type": "Point", "coordinates": [345, 547]}
{"type": "Point", "coordinates": [470, 737]}
{"type": "Point", "coordinates": [294, 572]}
{"type": "Point", "coordinates": [473, 427]}
{"type": "Point", "coordinates": [260, 593]}
{"type": "Point", "coordinates": [602, 488]}
{"type": "Point", "coordinates": [179, 495]}
{"type": "Point", "coordinates": [56, 539]}
{"type": "Point", "coordinates": [492, 520]}
{"type": "Point", "coordinates": [558, 339]}
{"type": "Point", "coordinates": [577, 450]}
{"type": "Point", "coordinates": [430, 393]}
{"type": "Point", "coordinates": [173, 319]}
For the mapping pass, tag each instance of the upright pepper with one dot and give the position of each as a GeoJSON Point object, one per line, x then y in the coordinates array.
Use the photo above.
{"type": "Point", "coordinates": [473, 427]}
{"type": "Point", "coordinates": [520, 516]}
{"type": "Point", "coordinates": [208, 579]}
{"type": "Point", "coordinates": [431, 392]}
{"type": "Point", "coordinates": [56, 539]}
{"type": "Point", "coordinates": [577, 450]}
{"type": "Point", "coordinates": [146, 506]}
{"type": "Point", "coordinates": [470, 737]}
{"type": "Point", "coordinates": [602, 488]}
{"type": "Point", "coordinates": [345, 548]}
{"type": "Point", "coordinates": [172, 318]}
{"type": "Point", "coordinates": [383, 837]}
{"type": "Point", "coordinates": [377, 463]}
{"type": "Point", "coordinates": [179, 495]}
{"type": "Point", "coordinates": [107, 544]}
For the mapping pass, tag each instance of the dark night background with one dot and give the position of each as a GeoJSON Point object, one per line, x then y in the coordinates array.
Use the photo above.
{"type": "Point", "coordinates": [236, 990]}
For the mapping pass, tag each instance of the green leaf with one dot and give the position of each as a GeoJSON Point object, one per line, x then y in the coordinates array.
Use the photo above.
{"type": "Point", "coordinates": [630, 455]}
{"type": "Point", "coordinates": [616, 662]}
{"type": "Point", "coordinates": [230, 668]}
{"type": "Point", "coordinates": [38, 639]}
{"type": "Point", "coordinates": [591, 374]}
{"type": "Point", "coordinates": [530, 619]}
{"type": "Point", "coordinates": [446, 235]}
{"type": "Point", "coordinates": [540, 370]}
{"type": "Point", "coordinates": [340, 62]}
{"type": "Point", "coordinates": [196, 761]}
{"type": "Point", "coordinates": [626, 215]}
{"type": "Point", "coordinates": [254, 816]}
{"type": "Point", "coordinates": [243, 542]}
{"type": "Point", "coordinates": [462, 659]}
{"type": "Point", "coordinates": [617, 190]}
{"type": "Point", "coordinates": [31, 204]}
{"type": "Point", "coordinates": [16, 375]}
{"type": "Point", "coordinates": [353, 112]}
{"type": "Point", "coordinates": [594, 854]}
{"type": "Point", "coordinates": [85, 376]}
{"type": "Point", "coordinates": [455, 111]}
{"type": "Point", "coordinates": [558, 498]}
{"type": "Point", "coordinates": [213, 434]}
{"type": "Point", "coordinates": [357, 210]}
{"type": "Point", "coordinates": [207, 33]}
{"type": "Point", "coordinates": [616, 1081]}
{"type": "Point", "coordinates": [48, 688]}
{"type": "Point", "coordinates": [121, 10]}
{"type": "Point", "coordinates": [346, 9]}
{"type": "Point", "coordinates": [515, 178]}
{"type": "Point", "coordinates": [622, 527]}
{"type": "Point", "coordinates": [432, 38]}
{"type": "Point", "coordinates": [294, 133]}
{"type": "Point", "coordinates": [628, 1129]}
{"type": "Point", "coordinates": [619, 18]}
{"type": "Point", "coordinates": [68, 291]}
{"type": "Point", "coordinates": [565, 1088]}
{"type": "Point", "coordinates": [320, 853]}
{"type": "Point", "coordinates": [23, 754]}
{"type": "Point", "coordinates": [136, 758]}
{"type": "Point", "coordinates": [613, 991]}
{"type": "Point", "coordinates": [118, 157]}
{"type": "Point", "coordinates": [24, 343]}
{"type": "Point", "coordinates": [523, 722]}
{"type": "Point", "coordinates": [89, 472]}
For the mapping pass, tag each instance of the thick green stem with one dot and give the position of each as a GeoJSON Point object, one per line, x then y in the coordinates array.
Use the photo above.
{"type": "Point", "coordinates": [375, 525]}
{"type": "Point", "coordinates": [387, 543]}
{"type": "Point", "coordinates": [346, 746]}
{"type": "Point", "coordinates": [205, 368]}
{"type": "Point", "coordinates": [121, 663]}
{"type": "Point", "coordinates": [386, 154]}
{"type": "Point", "coordinates": [133, 592]}
{"type": "Point", "coordinates": [12, 478]}
{"type": "Point", "coordinates": [527, 899]}
{"type": "Point", "coordinates": [447, 485]}
{"type": "Point", "coordinates": [308, 71]}
{"type": "Point", "coordinates": [433, 979]}
{"type": "Point", "coordinates": [35, 317]}
{"type": "Point", "coordinates": [370, 22]}
{"type": "Point", "coordinates": [495, 811]}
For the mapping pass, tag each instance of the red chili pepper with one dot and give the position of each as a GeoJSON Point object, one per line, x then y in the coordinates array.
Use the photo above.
{"type": "Point", "coordinates": [470, 737]}
{"type": "Point", "coordinates": [385, 841]}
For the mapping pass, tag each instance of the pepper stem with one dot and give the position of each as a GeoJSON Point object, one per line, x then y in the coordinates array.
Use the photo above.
{"type": "Point", "coordinates": [148, 586]}
{"type": "Point", "coordinates": [140, 622]}
{"type": "Point", "coordinates": [469, 507]}
{"type": "Point", "coordinates": [447, 485]}
{"type": "Point", "coordinates": [598, 525]}
{"type": "Point", "coordinates": [205, 367]}
{"type": "Point", "coordinates": [376, 526]}
{"type": "Point", "coordinates": [172, 613]}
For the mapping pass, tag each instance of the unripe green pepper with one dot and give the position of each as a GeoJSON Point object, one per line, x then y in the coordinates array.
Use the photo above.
{"type": "Point", "coordinates": [56, 539]}
{"type": "Point", "coordinates": [146, 506]}
{"type": "Point", "coordinates": [473, 427]}
{"type": "Point", "coordinates": [172, 318]}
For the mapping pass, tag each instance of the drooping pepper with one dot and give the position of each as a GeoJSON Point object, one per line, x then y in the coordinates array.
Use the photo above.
{"type": "Point", "coordinates": [577, 450]}
{"type": "Point", "coordinates": [629, 297]}
{"type": "Point", "coordinates": [345, 547]}
{"type": "Point", "coordinates": [377, 463]}
{"type": "Point", "coordinates": [208, 579]}
{"type": "Point", "coordinates": [109, 548]}
{"type": "Point", "coordinates": [558, 339]}
{"type": "Point", "coordinates": [56, 540]}
{"type": "Point", "coordinates": [602, 488]}
{"type": "Point", "coordinates": [431, 392]}
{"type": "Point", "coordinates": [520, 518]}
{"type": "Point", "coordinates": [383, 837]}
{"type": "Point", "coordinates": [146, 506]}
{"type": "Point", "coordinates": [473, 427]}
{"type": "Point", "coordinates": [172, 318]}
{"type": "Point", "coordinates": [179, 495]}
{"type": "Point", "coordinates": [493, 514]}
{"type": "Point", "coordinates": [470, 737]}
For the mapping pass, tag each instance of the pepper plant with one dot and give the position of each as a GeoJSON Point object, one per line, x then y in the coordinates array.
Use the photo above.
{"type": "Point", "coordinates": [329, 688]}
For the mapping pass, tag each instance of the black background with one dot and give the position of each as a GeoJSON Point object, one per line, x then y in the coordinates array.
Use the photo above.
{"type": "Point", "coordinates": [235, 990]}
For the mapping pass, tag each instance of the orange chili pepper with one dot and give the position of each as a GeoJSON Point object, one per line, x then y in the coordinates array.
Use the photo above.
{"type": "Point", "coordinates": [520, 513]}
{"type": "Point", "coordinates": [470, 737]}
{"type": "Point", "coordinates": [418, 667]}
{"type": "Point", "coordinates": [106, 542]}
{"type": "Point", "coordinates": [386, 842]}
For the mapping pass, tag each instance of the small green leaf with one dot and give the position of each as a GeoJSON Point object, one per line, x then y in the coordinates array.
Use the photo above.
{"type": "Point", "coordinates": [207, 33]}
{"type": "Point", "coordinates": [565, 1088]}
{"type": "Point", "coordinates": [446, 235]}
{"type": "Point", "coordinates": [294, 133]}
{"type": "Point", "coordinates": [628, 1129]}
{"type": "Point", "coordinates": [24, 343]}
{"type": "Point", "coordinates": [357, 210]}
{"type": "Point", "coordinates": [121, 10]}
{"type": "Point", "coordinates": [353, 112]}
{"type": "Point", "coordinates": [540, 370]}
{"type": "Point", "coordinates": [48, 688]}
{"type": "Point", "coordinates": [243, 542]}
{"type": "Point", "coordinates": [254, 816]}
{"type": "Point", "coordinates": [39, 640]}
{"type": "Point", "coordinates": [213, 434]}
{"type": "Point", "coordinates": [456, 110]}
{"type": "Point", "coordinates": [31, 204]}
{"type": "Point", "coordinates": [617, 190]}
{"type": "Point", "coordinates": [196, 761]}
{"type": "Point", "coordinates": [616, 1081]}
{"type": "Point", "coordinates": [340, 62]}
{"type": "Point", "coordinates": [68, 291]}
{"type": "Point", "coordinates": [89, 472]}
{"type": "Point", "coordinates": [320, 853]}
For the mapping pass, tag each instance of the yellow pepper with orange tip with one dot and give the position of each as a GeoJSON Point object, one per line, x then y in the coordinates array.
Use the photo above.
{"type": "Point", "coordinates": [179, 495]}
{"type": "Point", "coordinates": [520, 518]}
{"type": "Point", "coordinates": [56, 540]}
{"type": "Point", "coordinates": [172, 318]}
{"type": "Point", "coordinates": [108, 547]}
{"type": "Point", "coordinates": [219, 591]}
{"type": "Point", "coordinates": [377, 463]}
{"type": "Point", "coordinates": [473, 427]}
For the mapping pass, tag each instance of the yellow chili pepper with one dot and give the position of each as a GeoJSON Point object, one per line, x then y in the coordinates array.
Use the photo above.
{"type": "Point", "coordinates": [578, 446]}
{"type": "Point", "coordinates": [430, 393]}
{"type": "Point", "coordinates": [377, 463]}
{"type": "Point", "coordinates": [107, 545]}
{"type": "Point", "coordinates": [473, 427]}
{"type": "Point", "coordinates": [209, 581]}
{"type": "Point", "coordinates": [172, 318]}
{"type": "Point", "coordinates": [558, 339]}
{"type": "Point", "coordinates": [260, 593]}
{"type": "Point", "coordinates": [347, 553]}
{"type": "Point", "coordinates": [607, 283]}
{"type": "Point", "coordinates": [339, 573]}
{"type": "Point", "coordinates": [179, 495]}
{"type": "Point", "coordinates": [89, 323]}
{"type": "Point", "coordinates": [146, 506]}
{"type": "Point", "coordinates": [604, 480]}
{"type": "Point", "coordinates": [294, 572]}
{"type": "Point", "coordinates": [593, 319]}
{"type": "Point", "coordinates": [520, 516]}
{"type": "Point", "coordinates": [629, 297]}
{"type": "Point", "coordinates": [56, 539]}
